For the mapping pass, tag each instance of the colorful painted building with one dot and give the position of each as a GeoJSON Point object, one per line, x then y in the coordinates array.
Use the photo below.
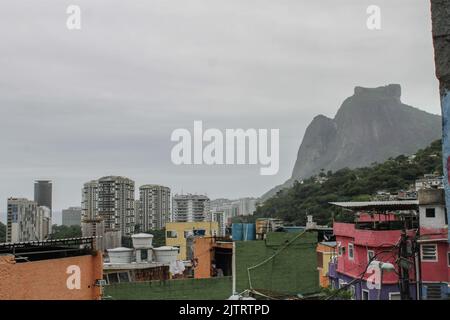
{"type": "Point", "coordinates": [369, 248]}
{"type": "Point", "coordinates": [325, 252]}
{"type": "Point", "coordinates": [182, 235]}
{"type": "Point", "coordinates": [434, 247]}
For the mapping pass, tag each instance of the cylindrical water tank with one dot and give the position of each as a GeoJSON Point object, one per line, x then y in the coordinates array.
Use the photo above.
{"type": "Point", "coordinates": [142, 240]}
{"type": "Point", "coordinates": [165, 254]}
{"type": "Point", "coordinates": [248, 231]}
{"type": "Point", "coordinates": [236, 231]}
{"type": "Point", "coordinates": [120, 255]}
{"type": "Point", "coordinates": [243, 231]}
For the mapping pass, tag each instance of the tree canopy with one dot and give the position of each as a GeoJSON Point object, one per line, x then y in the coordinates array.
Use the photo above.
{"type": "Point", "coordinates": [312, 197]}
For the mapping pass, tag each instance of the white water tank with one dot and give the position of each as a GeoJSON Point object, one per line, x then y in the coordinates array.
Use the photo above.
{"type": "Point", "coordinates": [142, 240]}
{"type": "Point", "coordinates": [165, 254]}
{"type": "Point", "coordinates": [120, 255]}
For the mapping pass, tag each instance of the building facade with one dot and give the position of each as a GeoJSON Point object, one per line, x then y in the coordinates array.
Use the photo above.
{"type": "Point", "coordinates": [26, 221]}
{"type": "Point", "coordinates": [190, 208]}
{"type": "Point", "coordinates": [43, 193]}
{"type": "Point", "coordinates": [374, 241]}
{"type": "Point", "coordinates": [71, 216]}
{"type": "Point", "coordinates": [154, 207]}
{"type": "Point", "coordinates": [326, 251]}
{"type": "Point", "coordinates": [224, 221]}
{"type": "Point", "coordinates": [178, 234]}
{"type": "Point", "coordinates": [433, 244]}
{"type": "Point", "coordinates": [116, 204]}
{"type": "Point", "coordinates": [247, 206]}
{"type": "Point", "coordinates": [89, 200]}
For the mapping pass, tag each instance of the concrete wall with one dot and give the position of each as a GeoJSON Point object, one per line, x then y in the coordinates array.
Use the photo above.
{"type": "Point", "coordinates": [437, 222]}
{"type": "Point", "coordinates": [47, 279]}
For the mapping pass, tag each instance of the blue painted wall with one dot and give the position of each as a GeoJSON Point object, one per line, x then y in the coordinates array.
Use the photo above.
{"type": "Point", "coordinates": [445, 105]}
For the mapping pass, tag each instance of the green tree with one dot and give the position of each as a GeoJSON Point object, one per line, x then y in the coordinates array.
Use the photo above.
{"type": "Point", "coordinates": [63, 232]}
{"type": "Point", "coordinates": [159, 237]}
{"type": "Point", "coordinates": [361, 184]}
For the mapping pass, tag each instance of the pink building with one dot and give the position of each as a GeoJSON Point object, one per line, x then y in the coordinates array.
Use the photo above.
{"type": "Point", "coordinates": [375, 237]}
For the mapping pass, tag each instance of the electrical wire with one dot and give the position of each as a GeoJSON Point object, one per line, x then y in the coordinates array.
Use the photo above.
{"type": "Point", "coordinates": [361, 276]}
{"type": "Point", "coordinates": [271, 257]}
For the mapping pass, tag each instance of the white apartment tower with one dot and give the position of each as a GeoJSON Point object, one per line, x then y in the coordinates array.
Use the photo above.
{"type": "Point", "coordinates": [154, 205]}
{"type": "Point", "coordinates": [89, 200]}
{"type": "Point", "coordinates": [190, 208]}
{"type": "Point", "coordinates": [116, 204]}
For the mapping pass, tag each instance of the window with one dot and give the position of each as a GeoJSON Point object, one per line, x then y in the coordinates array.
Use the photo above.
{"type": "Point", "coordinates": [448, 259]}
{"type": "Point", "coordinates": [342, 283]}
{"type": "Point", "coordinates": [171, 234]}
{"type": "Point", "coordinates": [395, 296]}
{"type": "Point", "coordinates": [364, 294]}
{"type": "Point", "coordinates": [340, 249]}
{"type": "Point", "coordinates": [430, 212]}
{"type": "Point", "coordinates": [351, 253]}
{"type": "Point", "coordinates": [429, 252]}
{"type": "Point", "coordinates": [370, 255]}
{"type": "Point", "coordinates": [199, 232]}
{"type": "Point", "coordinates": [434, 291]}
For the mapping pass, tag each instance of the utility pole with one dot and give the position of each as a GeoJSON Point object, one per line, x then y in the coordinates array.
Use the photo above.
{"type": "Point", "coordinates": [404, 265]}
{"type": "Point", "coordinates": [440, 15]}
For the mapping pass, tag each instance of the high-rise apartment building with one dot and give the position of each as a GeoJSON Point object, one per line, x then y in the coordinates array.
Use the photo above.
{"type": "Point", "coordinates": [43, 193]}
{"type": "Point", "coordinates": [44, 222]}
{"type": "Point", "coordinates": [26, 221]}
{"type": "Point", "coordinates": [89, 200]}
{"type": "Point", "coordinates": [154, 205]}
{"type": "Point", "coordinates": [247, 206]}
{"type": "Point", "coordinates": [190, 208]}
{"type": "Point", "coordinates": [116, 203]}
{"type": "Point", "coordinates": [71, 216]}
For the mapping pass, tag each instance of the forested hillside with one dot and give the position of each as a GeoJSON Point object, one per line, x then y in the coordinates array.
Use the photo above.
{"type": "Point", "coordinates": [312, 197]}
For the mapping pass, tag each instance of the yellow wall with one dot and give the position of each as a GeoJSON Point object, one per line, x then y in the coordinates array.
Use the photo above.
{"type": "Point", "coordinates": [327, 254]}
{"type": "Point", "coordinates": [211, 229]}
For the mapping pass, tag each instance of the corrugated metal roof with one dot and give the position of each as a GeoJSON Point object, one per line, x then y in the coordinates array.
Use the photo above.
{"type": "Point", "coordinates": [392, 205]}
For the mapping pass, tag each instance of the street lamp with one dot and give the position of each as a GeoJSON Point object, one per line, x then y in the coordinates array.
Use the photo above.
{"type": "Point", "coordinates": [383, 266]}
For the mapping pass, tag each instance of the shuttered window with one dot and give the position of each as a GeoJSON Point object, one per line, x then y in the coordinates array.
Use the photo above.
{"type": "Point", "coordinates": [429, 252]}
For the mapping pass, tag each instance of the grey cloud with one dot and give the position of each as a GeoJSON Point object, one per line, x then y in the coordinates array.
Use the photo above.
{"type": "Point", "coordinates": [104, 100]}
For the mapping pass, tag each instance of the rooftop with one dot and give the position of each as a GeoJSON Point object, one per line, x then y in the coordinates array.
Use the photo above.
{"type": "Point", "coordinates": [48, 249]}
{"type": "Point", "coordinates": [380, 205]}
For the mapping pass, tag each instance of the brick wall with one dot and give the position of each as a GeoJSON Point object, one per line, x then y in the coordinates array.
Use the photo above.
{"type": "Point", "coordinates": [47, 279]}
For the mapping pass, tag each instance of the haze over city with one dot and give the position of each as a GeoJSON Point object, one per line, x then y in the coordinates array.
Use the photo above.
{"type": "Point", "coordinates": [76, 106]}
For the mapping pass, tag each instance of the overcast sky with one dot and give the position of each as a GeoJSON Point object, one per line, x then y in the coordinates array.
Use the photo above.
{"type": "Point", "coordinates": [103, 100]}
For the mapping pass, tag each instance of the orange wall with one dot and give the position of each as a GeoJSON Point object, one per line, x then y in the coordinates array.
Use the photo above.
{"type": "Point", "coordinates": [46, 279]}
{"type": "Point", "coordinates": [203, 253]}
